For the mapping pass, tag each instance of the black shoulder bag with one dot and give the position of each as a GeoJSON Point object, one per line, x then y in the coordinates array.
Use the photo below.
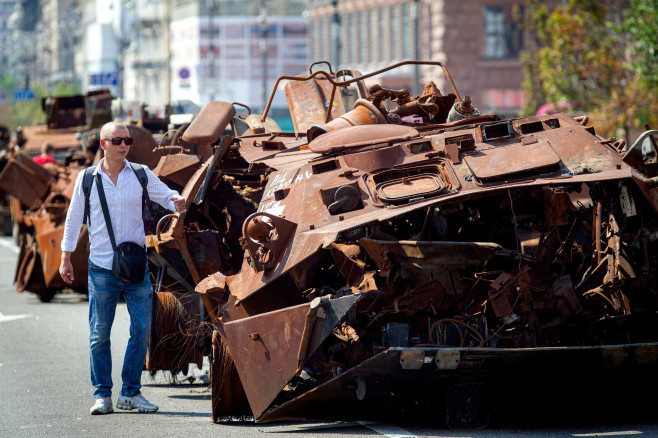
{"type": "Point", "coordinates": [129, 262]}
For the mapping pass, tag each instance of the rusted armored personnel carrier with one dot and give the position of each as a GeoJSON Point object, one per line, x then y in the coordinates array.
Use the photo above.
{"type": "Point", "coordinates": [411, 244]}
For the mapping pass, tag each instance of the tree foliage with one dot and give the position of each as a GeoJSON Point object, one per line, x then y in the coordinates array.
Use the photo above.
{"type": "Point", "coordinates": [641, 25]}
{"type": "Point", "coordinates": [25, 113]}
{"type": "Point", "coordinates": [576, 55]}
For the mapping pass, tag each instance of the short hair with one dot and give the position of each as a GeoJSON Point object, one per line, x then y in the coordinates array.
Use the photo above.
{"type": "Point", "coordinates": [47, 148]}
{"type": "Point", "coordinates": [110, 126]}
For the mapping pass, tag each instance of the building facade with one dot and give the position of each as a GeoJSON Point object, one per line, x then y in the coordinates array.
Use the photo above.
{"type": "Point", "coordinates": [479, 41]}
{"type": "Point", "coordinates": [233, 59]}
{"type": "Point", "coordinates": [157, 51]}
{"type": "Point", "coordinates": [201, 51]}
{"type": "Point", "coordinates": [7, 9]}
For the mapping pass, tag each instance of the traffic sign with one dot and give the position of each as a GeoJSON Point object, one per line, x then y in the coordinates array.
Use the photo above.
{"type": "Point", "coordinates": [22, 94]}
{"type": "Point", "coordinates": [103, 79]}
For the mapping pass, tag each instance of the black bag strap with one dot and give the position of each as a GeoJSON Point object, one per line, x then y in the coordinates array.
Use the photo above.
{"type": "Point", "coordinates": [87, 182]}
{"type": "Point", "coordinates": [143, 180]}
{"type": "Point", "coordinates": [106, 213]}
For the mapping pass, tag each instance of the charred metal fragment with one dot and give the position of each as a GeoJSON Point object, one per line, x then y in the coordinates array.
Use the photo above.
{"type": "Point", "coordinates": [398, 246]}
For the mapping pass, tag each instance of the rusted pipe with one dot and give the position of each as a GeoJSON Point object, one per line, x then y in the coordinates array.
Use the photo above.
{"type": "Point", "coordinates": [582, 120]}
{"type": "Point", "coordinates": [597, 231]}
{"type": "Point", "coordinates": [160, 222]}
{"type": "Point", "coordinates": [310, 67]}
{"type": "Point", "coordinates": [351, 81]}
{"type": "Point", "coordinates": [331, 104]}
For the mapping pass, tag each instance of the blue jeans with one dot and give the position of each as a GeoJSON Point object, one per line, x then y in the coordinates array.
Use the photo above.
{"type": "Point", "coordinates": [104, 292]}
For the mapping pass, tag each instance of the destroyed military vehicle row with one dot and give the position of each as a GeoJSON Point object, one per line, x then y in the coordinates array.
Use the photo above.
{"type": "Point", "coordinates": [394, 247]}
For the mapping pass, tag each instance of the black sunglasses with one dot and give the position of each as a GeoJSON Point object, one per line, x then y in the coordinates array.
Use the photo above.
{"type": "Point", "coordinates": [116, 141]}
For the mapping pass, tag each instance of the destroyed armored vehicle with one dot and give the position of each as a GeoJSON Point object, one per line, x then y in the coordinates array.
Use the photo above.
{"type": "Point", "coordinates": [410, 243]}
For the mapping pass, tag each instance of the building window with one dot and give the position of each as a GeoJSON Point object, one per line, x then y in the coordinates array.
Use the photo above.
{"type": "Point", "coordinates": [502, 36]}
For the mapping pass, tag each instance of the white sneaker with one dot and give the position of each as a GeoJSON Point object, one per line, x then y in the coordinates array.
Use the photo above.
{"type": "Point", "coordinates": [137, 402]}
{"type": "Point", "coordinates": [102, 406]}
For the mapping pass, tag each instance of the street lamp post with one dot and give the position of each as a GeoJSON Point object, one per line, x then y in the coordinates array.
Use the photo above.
{"type": "Point", "coordinates": [168, 50]}
{"type": "Point", "coordinates": [262, 21]}
{"type": "Point", "coordinates": [336, 43]}
{"type": "Point", "coordinates": [416, 79]}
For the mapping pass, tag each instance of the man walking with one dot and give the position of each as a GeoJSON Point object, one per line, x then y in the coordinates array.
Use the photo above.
{"type": "Point", "coordinates": [123, 192]}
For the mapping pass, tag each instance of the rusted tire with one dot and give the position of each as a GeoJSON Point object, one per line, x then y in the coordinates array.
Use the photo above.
{"type": "Point", "coordinates": [30, 274]}
{"type": "Point", "coordinates": [48, 294]}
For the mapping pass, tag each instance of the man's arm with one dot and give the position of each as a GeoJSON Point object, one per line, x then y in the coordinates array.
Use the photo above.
{"type": "Point", "coordinates": [72, 226]}
{"type": "Point", "coordinates": [163, 195]}
{"type": "Point", "coordinates": [66, 268]}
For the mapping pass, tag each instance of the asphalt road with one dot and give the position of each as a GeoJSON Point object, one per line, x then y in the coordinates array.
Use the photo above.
{"type": "Point", "coordinates": [45, 389]}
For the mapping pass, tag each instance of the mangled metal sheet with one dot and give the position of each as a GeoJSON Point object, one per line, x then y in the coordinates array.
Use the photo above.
{"type": "Point", "coordinates": [470, 241]}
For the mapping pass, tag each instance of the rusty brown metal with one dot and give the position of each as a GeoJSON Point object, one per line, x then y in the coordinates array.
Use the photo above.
{"type": "Point", "coordinates": [307, 97]}
{"type": "Point", "coordinates": [177, 168]}
{"type": "Point", "coordinates": [22, 168]}
{"type": "Point", "coordinates": [308, 103]}
{"type": "Point", "coordinates": [209, 124]}
{"type": "Point", "coordinates": [364, 113]}
{"type": "Point", "coordinates": [212, 290]}
{"type": "Point", "coordinates": [279, 339]}
{"type": "Point", "coordinates": [61, 139]}
{"type": "Point", "coordinates": [38, 212]}
{"type": "Point", "coordinates": [357, 79]}
{"type": "Point", "coordinates": [506, 160]}
{"type": "Point", "coordinates": [349, 138]}
{"type": "Point", "coordinates": [175, 239]}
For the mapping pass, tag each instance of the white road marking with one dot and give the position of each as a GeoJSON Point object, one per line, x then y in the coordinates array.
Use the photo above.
{"type": "Point", "coordinates": [10, 245]}
{"type": "Point", "coordinates": [388, 430]}
{"type": "Point", "coordinates": [619, 433]}
{"type": "Point", "coordinates": [5, 318]}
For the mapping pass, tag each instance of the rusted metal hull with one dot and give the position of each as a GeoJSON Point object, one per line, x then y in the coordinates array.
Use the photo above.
{"type": "Point", "coordinates": [467, 245]}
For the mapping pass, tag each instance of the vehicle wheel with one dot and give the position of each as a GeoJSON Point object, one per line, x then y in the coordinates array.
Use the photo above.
{"type": "Point", "coordinates": [29, 275]}
{"type": "Point", "coordinates": [47, 295]}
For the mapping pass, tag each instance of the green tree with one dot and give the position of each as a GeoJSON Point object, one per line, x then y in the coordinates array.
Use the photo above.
{"type": "Point", "coordinates": [579, 57]}
{"type": "Point", "coordinates": [23, 113]}
{"type": "Point", "coordinates": [641, 25]}
{"type": "Point", "coordinates": [27, 113]}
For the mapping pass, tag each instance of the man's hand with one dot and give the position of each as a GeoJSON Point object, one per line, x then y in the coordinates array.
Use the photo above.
{"type": "Point", "coordinates": [179, 203]}
{"type": "Point", "coordinates": [66, 268]}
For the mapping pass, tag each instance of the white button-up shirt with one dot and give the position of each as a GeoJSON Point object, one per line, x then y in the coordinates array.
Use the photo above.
{"type": "Point", "coordinates": [124, 202]}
